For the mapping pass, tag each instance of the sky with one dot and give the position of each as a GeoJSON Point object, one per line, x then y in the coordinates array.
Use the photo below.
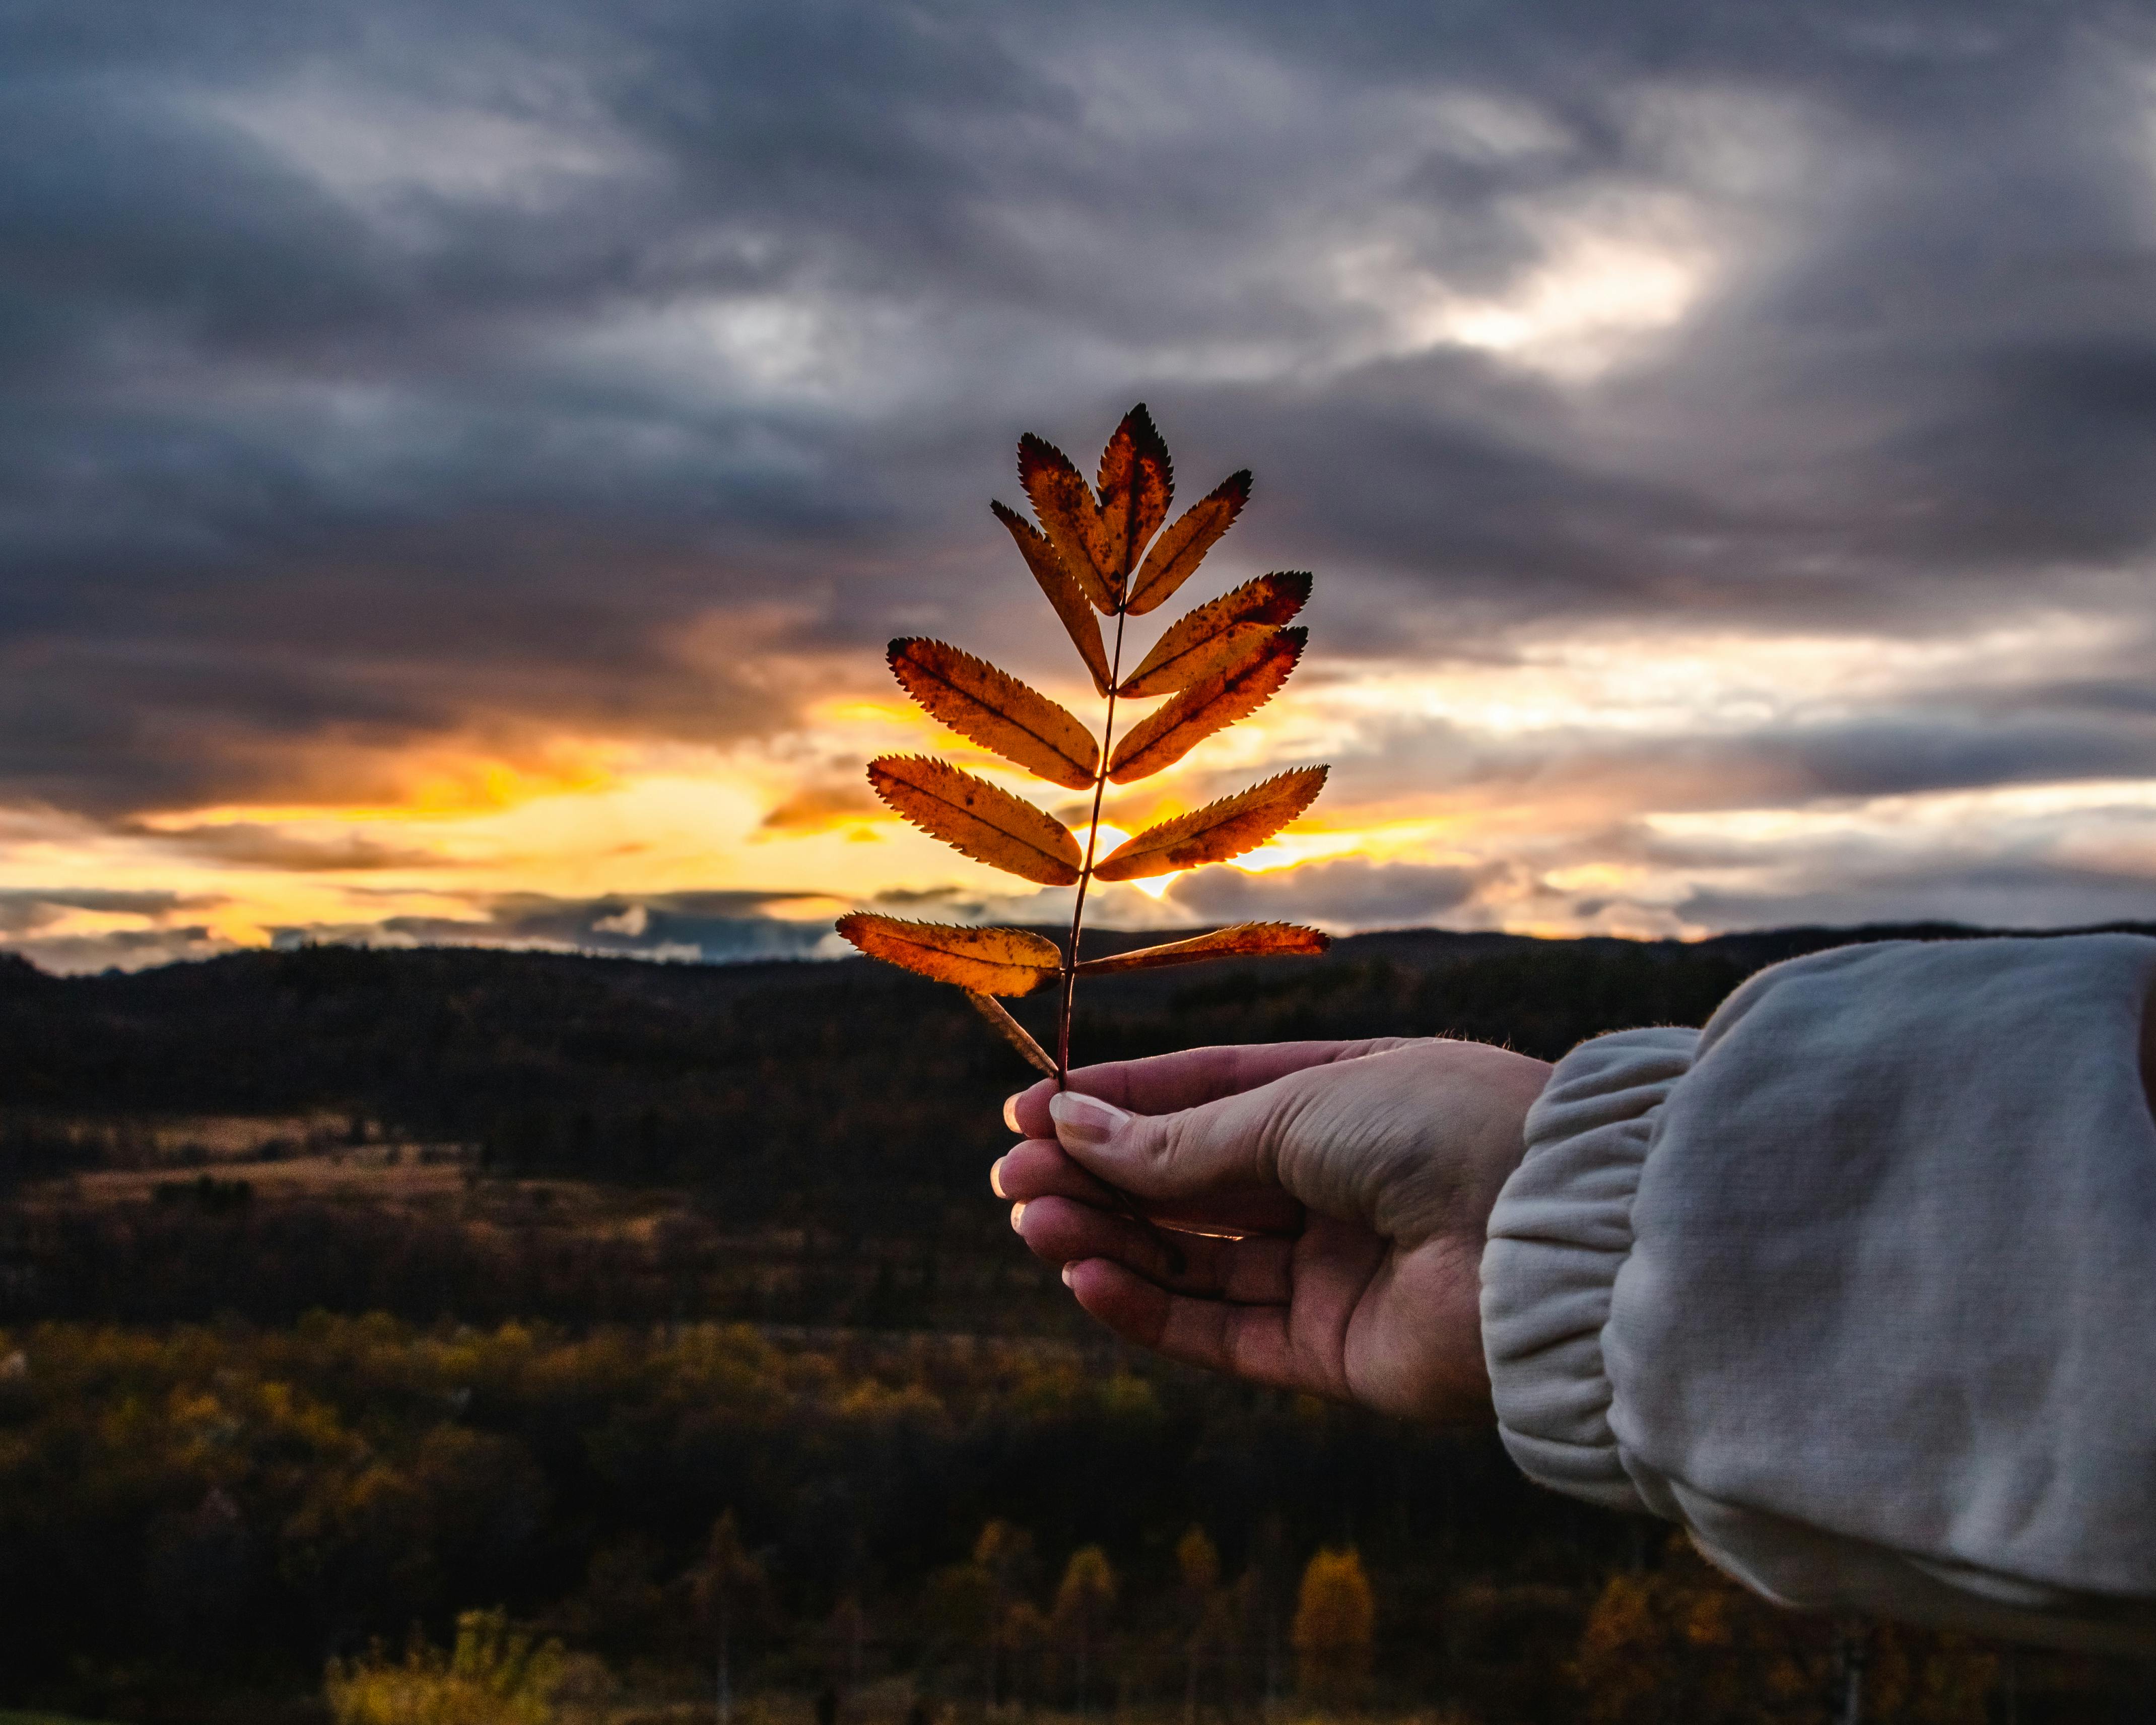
{"type": "Point", "coordinates": [460, 464]}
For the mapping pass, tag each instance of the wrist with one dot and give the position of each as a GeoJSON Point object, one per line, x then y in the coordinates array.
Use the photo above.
{"type": "Point", "coordinates": [1489, 1094]}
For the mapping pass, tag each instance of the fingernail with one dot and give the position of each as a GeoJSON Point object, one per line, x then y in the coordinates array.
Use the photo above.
{"type": "Point", "coordinates": [996, 1178]}
{"type": "Point", "coordinates": [1067, 1269]}
{"type": "Point", "coordinates": [1010, 1113]}
{"type": "Point", "coordinates": [1084, 1119]}
{"type": "Point", "coordinates": [1018, 1214]}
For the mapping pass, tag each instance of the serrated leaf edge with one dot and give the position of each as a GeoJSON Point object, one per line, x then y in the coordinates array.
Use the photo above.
{"type": "Point", "coordinates": [886, 763]}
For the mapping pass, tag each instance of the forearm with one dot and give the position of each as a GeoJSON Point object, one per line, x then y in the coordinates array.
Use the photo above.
{"type": "Point", "coordinates": [1861, 1285]}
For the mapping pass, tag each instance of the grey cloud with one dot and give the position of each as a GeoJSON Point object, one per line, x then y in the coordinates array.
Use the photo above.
{"type": "Point", "coordinates": [1351, 893]}
{"type": "Point", "coordinates": [703, 927]}
{"type": "Point", "coordinates": [2009, 894]}
{"type": "Point", "coordinates": [707, 927]}
{"type": "Point", "coordinates": [121, 949]}
{"type": "Point", "coordinates": [26, 910]}
{"type": "Point", "coordinates": [1965, 742]}
{"type": "Point", "coordinates": [898, 897]}
{"type": "Point", "coordinates": [1901, 754]}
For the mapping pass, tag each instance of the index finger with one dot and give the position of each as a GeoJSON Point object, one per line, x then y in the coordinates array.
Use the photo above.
{"type": "Point", "coordinates": [1165, 1084]}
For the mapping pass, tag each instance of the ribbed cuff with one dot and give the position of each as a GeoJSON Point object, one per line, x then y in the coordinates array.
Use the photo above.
{"type": "Point", "coordinates": [1561, 1230]}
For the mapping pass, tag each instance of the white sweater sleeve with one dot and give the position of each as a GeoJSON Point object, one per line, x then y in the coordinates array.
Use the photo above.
{"type": "Point", "coordinates": [1859, 1284]}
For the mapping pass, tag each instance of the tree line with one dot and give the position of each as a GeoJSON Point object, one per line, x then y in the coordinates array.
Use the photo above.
{"type": "Point", "coordinates": [796, 1093]}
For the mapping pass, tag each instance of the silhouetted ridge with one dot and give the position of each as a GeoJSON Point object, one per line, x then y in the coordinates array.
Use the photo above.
{"type": "Point", "coordinates": [792, 1087]}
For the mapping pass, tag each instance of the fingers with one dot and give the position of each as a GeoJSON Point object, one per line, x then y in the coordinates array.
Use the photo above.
{"type": "Point", "coordinates": [1255, 1270]}
{"type": "Point", "coordinates": [1251, 1341]}
{"type": "Point", "coordinates": [1412, 1140]}
{"type": "Point", "coordinates": [1040, 1167]}
{"type": "Point", "coordinates": [1228, 1310]}
{"type": "Point", "coordinates": [1165, 1083]}
{"type": "Point", "coordinates": [1229, 1145]}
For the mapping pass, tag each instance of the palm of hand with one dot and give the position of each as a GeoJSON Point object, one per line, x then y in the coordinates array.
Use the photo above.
{"type": "Point", "coordinates": [1368, 1320]}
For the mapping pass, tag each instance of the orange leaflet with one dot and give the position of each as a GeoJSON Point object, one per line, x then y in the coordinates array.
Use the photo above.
{"type": "Point", "coordinates": [1011, 1031]}
{"type": "Point", "coordinates": [1137, 483]}
{"type": "Point", "coordinates": [1062, 590]}
{"type": "Point", "coordinates": [1245, 940]}
{"type": "Point", "coordinates": [987, 961]}
{"type": "Point", "coordinates": [974, 817]}
{"type": "Point", "coordinates": [992, 708]}
{"type": "Point", "coordinates": [1230, 647]}
{"type": "Point", "coordinates": [1165, 737]}
{"type": "Point", "coordinates": [1216, 832]}
{"type": "Point", "coordinates": [1063, 502]}
{"type": "Point", "coordinates": [1217, 634]}
{"type": "Point", "coordinates": [1179, 550]}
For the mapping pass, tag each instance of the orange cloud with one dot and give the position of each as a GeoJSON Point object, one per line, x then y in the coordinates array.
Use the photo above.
{"type": "Point", "coordinates": [821, 808]}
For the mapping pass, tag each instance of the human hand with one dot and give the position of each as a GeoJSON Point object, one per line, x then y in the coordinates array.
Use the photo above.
{"type": "Point", "coordinates": [1330, 1198]}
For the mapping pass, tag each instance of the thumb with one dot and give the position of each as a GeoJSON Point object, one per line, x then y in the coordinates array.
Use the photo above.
{"type": "Point", "coordinates": [1188, 1153]}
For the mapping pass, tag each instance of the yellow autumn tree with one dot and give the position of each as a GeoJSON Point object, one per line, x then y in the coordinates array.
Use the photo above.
{"type": "Point", "coordinates": [728, 1586]}
{"type": "Point", "coordinates": [1205, 1620]}
{"type": "Point", "coordinates": [1023, 1639]}
{"type": "Point", "coordinates": [495, 1676]}
{"type": "Point", "coordinates": [1085, 1599]}
{"type": "Point", "coordinates": [1335, 1619]}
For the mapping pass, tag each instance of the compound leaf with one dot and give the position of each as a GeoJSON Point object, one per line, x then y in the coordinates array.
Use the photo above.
{"type": "Point", "coordinates": [1103, 548]}
{"type": "Point", "coordinates": [974, 817]}
{"type": "Point", "coordinates": [1217, 634]}
{"type": "Point", "coordinates": [1165, 735]}
{"type": "Point", "coordinates": [993, 709]}
{"type": "Point", "coordinates": [1245, 940]}
{"type": "Point", "coordinates": [1013, 1032]}
{"type": "Point", "coordinates": [1218, 831]}
{"type": "Point", "coordinates": [1063, 590]}
{"type": "Point", "coordinates": [1182, 546]}
{"type": "Point", "coordinates": [1063, 502]}
{"type": "Point", "coordinates": [1137, 483]}
{"type": "Point", "coordinates": [985, 961]}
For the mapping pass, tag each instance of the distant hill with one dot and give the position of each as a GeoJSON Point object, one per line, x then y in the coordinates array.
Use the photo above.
{"type": "Point", "coordinates": [795, 1089]}
{"type": "Point", "coordinates": [482, 1134]}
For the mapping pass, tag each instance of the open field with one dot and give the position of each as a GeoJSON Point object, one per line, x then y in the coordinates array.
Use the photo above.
{"type": "Point", "coordinates": [387, 1179]}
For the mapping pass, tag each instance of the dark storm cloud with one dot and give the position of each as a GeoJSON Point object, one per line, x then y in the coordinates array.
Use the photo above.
{"type": "Point", "coordinates": [417, 372]}
{"type": "Point", "coordinates": [2009, 894]}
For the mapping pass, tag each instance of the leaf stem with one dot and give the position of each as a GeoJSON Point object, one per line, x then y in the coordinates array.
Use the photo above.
{"type": "Point", "coordinates": [1172, 1252]}
{"type": "Point", "coordinates": [1086, 874]}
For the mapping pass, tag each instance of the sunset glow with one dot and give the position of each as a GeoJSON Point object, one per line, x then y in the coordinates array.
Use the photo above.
{"type": "Point", "coordinates": [1593, 783]}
